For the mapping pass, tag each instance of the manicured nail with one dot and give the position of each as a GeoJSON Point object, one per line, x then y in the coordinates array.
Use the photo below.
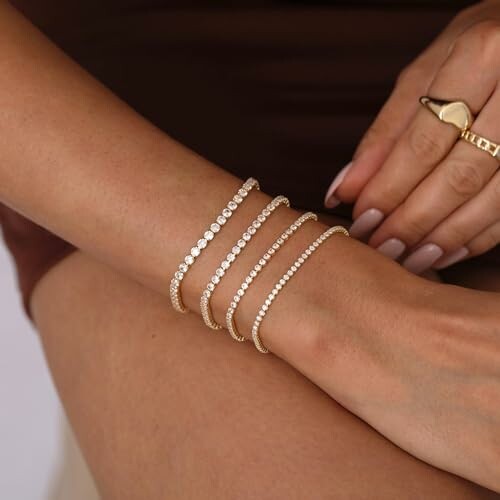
{"type": "Point", "coordinates": [452, 258]}
{"type": "Point", "coordinates": [330, 200]}
{"type": "Point", "coordinates": [423, 258]}
{"type": "Point", "coordinates": [392, 248]}
{"type": "Point", "coordinates": [366, 222]}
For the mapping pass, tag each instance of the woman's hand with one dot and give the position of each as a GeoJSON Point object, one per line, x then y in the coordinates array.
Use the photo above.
{"type": "Point", "coordinates": [429, 197]}
{"type": "Point", "coordinates": [417, 360]}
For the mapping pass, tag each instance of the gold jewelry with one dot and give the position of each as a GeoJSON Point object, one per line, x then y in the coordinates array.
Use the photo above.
{"type": "Point", "coordinates": [175, 283]}
{"type": "Point", "coordinates": [206, 311]}
{"type": "Point", "coordinates": [284, 280]}
{"type": "Point", "coordinates": [273, 249]}
{"type": "Point", "coordinates": [456, 113]}
{"type": "Point", "coordinates": [481, 143]}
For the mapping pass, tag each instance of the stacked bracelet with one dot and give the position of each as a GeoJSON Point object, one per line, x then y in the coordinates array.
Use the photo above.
{"type": "Point", "coordinates": [206, 311]}
{"type": "Point", "coordinates": [284, 280]}
{"type": "Point", "coordinates": [275, 247]}
{"type": "Point", "coordinates": [175, 283]}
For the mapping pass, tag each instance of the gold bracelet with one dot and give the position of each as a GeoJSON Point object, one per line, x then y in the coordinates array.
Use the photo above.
{"type": "Point", "coordinates": [206, 311]}
{"type": "Point", "coordinates": [175, 283]}
{"type": "Point", "coordinates": [273, 249]}
{"type": "Point", "coordinates": [284, 280]}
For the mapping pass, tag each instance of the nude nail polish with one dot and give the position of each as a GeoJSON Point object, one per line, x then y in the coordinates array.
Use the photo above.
{"type": "Point", "coordinates": [366, 222]}
{"type": "Point", "coordinates": [423, 258]}
{"type": "Point", "coordinates": [452, 258]}
{"type": "Point", "coordinates": [392, 248]}
{"type": "Point", "coordinates": [330, 200]}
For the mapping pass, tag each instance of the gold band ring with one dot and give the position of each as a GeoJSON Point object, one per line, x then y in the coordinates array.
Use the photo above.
{"type": "Point", "coordinates": [458, 114]}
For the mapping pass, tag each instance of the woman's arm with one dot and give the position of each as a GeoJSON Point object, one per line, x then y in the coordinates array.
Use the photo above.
{"type": "Point", "coordinates": [80, 162]}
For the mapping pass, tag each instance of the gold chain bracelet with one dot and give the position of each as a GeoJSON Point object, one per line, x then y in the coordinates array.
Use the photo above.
{"type": "Point", "coordinates": [209, 234]}
{"type": "Point", "coordinates": [273, 249]}
{"type": "Point", "coordinates": [284, 280]}
{"type": "Point", "coordinates": [206, 311]}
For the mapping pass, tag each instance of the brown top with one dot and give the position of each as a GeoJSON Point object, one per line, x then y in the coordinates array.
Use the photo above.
{"type": "Point", "coordinates": [291, 85]}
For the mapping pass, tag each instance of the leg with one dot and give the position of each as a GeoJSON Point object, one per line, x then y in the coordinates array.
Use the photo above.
{"type": "Point", "coordinates": [164, 408]}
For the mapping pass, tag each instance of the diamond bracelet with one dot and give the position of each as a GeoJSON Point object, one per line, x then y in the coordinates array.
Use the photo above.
{"type": "Point", "coordinates": [284, 280]}
{"type": "Point", "coordinates": [273, 249]}
{"type": "Point", "coordinates": [206, 311]}
{"type": "Point", "coordinates": [227, 212]}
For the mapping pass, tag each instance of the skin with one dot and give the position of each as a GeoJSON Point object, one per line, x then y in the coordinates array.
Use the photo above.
{"type": "Point", "coordinates": [357, 325]}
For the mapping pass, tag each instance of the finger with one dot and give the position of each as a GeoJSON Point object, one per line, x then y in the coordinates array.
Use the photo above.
{"type": "Point", "coordinates": [427, 140]}
{"type": "Point", "coordinates": [485, 241]}
{"type": "Point", "coordinates": [387, 127]}
{"type": "Point", "coordinates": [458, 179]}
{"type": "Point", "coordinates": [462, 226]}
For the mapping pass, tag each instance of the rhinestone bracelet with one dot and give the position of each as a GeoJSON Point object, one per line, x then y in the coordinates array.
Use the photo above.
{"type": "Point", "coordinates": [275, 247]}
{"type": "Point", "coordinates": [206, 311]}
{"type": "Point", "coordinates": [284, 280]}
{"type": "Point", "coordinates": [175, 283]}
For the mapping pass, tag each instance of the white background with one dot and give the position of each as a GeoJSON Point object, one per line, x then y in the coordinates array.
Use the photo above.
{"type": "Point", "coordinates": [38, 458]}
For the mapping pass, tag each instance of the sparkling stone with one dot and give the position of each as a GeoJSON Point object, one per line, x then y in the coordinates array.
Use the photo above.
{"type": "Point", "coordinates": [247, 236]}
{"type": "Point", "coordinates": [293, 268]}
{"type": "Point", "coordinates": [251, 230]}
{"type": "Point", "coordinates": [261, 217]}
{"type": "Point", "coordinates": [183, 267]}
{"type": "Point", "coordinates": [316, 244]}
{"type": "Point", "coordinates": [265, 307]}
{"type": "Point", "coordinates": [289, 231]}
{"type": "Point", "coordinates": [211, 287]}
{"type": "Point", "coordinates": [237, 198]}
{"type": "Point", "coordinates": [215, 279]}
{"type": "Point", "coordinates": [221, 220]}
{"type": "Point", "coordinates": [311, 248]}
{"type": "Point", "coordinates": [279, 242]}
{"type": "Point", "coordinates": [189, 259]}
{"type": "Point", "coordinates": [289, 272]}
{"type": "Point", "coordinates": [256, 224]}
{"type": "Point", "coordinates": [236, 250]}
{"type": "Point", "coordinates": [262, 313]}
{"type": "Point", "coordinates": [244, 286]}
{"type": "Point", "coordinates": [209, 235]}
{"type": "Point", "coordinates": [266, 212]}
{"type": "Point", "coordinates": [275, 292]}
{"type": "Point", "coordinates": [270, 297]}
{"type": "Point", "coordinates": [236, 298]}
{"type": "Point", "coordinates": [241, 243]}
{"type": "Point", "coordinates": [202, 243]}
{"type": "Point", "coordinates": [195, 251]}
{"type": "Point", "coordinates": [206, 294]}
{"type": "Point", "coordinates": [286, 277]}
{"type": "Point", "coordinates": [271, 251]}
{"type": "Point", "coordinates": [293, 227]}
{"type": "Point", "coordinates": [227, 213]}
{"type": "Point", "coordinates": [179, 275]}
{"type": "Point", "coordinates": [243, 192]}
{"type": "Point", "coordinates": [248, 279]}
{"type": "Point", "coordinates": [230, 257]}
{"type": "Point", "coordinates": [253, 273]}
{"type": "Point", "coordinates": [301, 260]}
{"type": "Point", "coordinates": [282, 281]}
{"type": "Point", "coordinates": [232, 205]}
{"type": "Point", "coordinates": [225, 264]}
{"type": "Point", "coordinates": [267, 302]}
{"type": "Point", "coordinates": [233, 306]}
{"type": "Point", "coordinates": [215, 227]}
{"type": "Point", "coordinates": [240, 292]}
{"type": "Point", "coordinates": [304, 256]}
{"type": "Point", "coordinates": [219, 272]}
{"type": "Point", "coordinates": [258, 267]}
{"type": "Point", "coordinates": [308, 252]}
{"type": "Point", "coordinates": [297, 264]}
{"type": "Point", "coordinates": [279, 286]}
{"type": "Point", "coordinates": [262, 262]}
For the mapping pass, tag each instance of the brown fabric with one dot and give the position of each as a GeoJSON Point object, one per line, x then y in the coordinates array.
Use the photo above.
{"type": "Point", "coordinates": [279, 92]}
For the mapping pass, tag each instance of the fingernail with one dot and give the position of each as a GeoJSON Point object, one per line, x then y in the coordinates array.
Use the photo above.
{"type": "Point", "coordinates": [366, 222]}
{"type": "Point", "coordinates": [452, 258]}
{"type": "Point", "coordinates": [330, 200]}
{"type": "Point", "coordinates": [392, 248]}
{"type": "Point", "coordinates": [423, 258]}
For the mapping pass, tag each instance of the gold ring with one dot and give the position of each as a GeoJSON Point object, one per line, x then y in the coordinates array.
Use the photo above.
{"type": "Point", "coordinates": [456, 113]}
{"type": "Point", "coordinates": [482, 143]}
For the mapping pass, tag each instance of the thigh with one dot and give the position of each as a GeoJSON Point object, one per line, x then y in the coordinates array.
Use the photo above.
{"type": "Point", "coordinates": [164, 408]}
